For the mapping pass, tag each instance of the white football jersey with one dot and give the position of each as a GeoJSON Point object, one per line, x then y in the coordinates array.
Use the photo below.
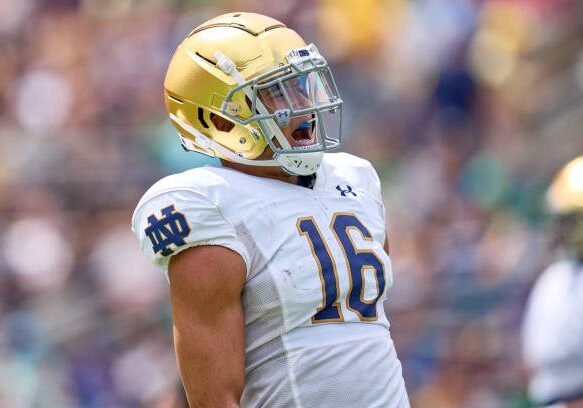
{"type": "Point", "coordinates": [317, 275]}
{"type": "Point", "coordinates": [553, 334]}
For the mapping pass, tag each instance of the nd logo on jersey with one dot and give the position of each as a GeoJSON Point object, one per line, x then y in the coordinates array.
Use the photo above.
{"type": "Point", "coordinates": [172, 228]}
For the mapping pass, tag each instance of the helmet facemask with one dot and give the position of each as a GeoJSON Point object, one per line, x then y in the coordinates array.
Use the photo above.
{"type": "Point", "coordinates": [296, 106]}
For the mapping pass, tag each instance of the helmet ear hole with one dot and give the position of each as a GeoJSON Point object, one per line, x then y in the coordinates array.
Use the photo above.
{"type": "Point", "coordinates": [222, 124]}
{"type": "Point", "coordinates": [201, 118]}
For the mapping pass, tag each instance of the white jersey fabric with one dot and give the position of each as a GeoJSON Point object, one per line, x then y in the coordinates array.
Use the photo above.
{"type": "Point", "coordinates": [316, 331]}
{"type": "Point", "coordinates": [553, 334]}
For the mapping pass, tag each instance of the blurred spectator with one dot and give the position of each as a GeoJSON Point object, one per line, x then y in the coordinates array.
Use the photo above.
{"type": "Point", "coordinates": [553, 323]}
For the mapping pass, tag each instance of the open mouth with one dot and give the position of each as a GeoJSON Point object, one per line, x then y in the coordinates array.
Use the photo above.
{"type": "Point", "coordinates": [303, 135]}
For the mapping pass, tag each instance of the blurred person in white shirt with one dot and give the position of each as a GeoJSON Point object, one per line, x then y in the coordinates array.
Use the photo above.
{"type": "Point", "coordinates": [553, 321]}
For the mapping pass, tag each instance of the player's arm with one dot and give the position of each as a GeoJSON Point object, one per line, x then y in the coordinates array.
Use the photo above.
{"type": "Point", "coordinates": [205, 292]}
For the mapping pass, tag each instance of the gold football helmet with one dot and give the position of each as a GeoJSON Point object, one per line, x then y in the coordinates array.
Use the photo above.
{"type": "Point", "coordinates": [565, 195]}
{"type": "Point", "coordinates": [242, 82]}
{"type": "Point", "coordinates": [565, 199]}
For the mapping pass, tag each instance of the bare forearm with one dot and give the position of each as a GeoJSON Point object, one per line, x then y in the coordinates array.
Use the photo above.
{"type": "Point", "coordinates": [211, 378]}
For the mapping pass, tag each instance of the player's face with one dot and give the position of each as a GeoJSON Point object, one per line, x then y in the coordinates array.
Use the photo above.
{"type": "Point", "coordinates": [304, 91]}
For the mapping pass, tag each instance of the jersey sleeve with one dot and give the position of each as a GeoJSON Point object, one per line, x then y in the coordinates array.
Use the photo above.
{"type": "Point", "coordinates": [172, 221]}
{"type": "Point", "coordinates": [374, 185]}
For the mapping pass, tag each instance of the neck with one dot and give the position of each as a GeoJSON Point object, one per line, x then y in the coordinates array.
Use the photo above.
{"type": "Point", "coordinates": [275, 173]}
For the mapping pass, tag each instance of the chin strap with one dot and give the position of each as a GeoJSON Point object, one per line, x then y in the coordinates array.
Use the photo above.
{"type": "Point", "coordinates": [301, 164]}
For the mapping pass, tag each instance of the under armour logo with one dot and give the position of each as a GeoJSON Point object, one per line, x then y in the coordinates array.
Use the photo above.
{"type": "Point", "coordinates": [348, 190]}
{"type": "Point", "coordinates": [172, 228]}
{"type": "Point", "coordinates": [283, 116]}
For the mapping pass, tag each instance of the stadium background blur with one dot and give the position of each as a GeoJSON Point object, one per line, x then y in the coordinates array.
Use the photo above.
{"type": "Point", "coordinates": [466, 108]}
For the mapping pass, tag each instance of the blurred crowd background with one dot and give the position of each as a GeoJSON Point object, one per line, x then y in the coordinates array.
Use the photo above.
{"type": "Point", "coordinates": [466, 108]}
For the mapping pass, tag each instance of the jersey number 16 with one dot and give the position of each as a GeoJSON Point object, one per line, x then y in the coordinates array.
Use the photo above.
{"type": "Point", "coordinates": [357, 260]}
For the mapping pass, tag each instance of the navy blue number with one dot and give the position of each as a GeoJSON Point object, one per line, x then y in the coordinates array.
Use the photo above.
{"type": "Point", "coordinates": [330, 311]}
{"type": "Point", "coordinates": [359, 260]}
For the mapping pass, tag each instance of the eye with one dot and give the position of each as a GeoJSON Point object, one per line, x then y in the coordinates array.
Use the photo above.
{"type": "Point", "coordinates": [276, 92]}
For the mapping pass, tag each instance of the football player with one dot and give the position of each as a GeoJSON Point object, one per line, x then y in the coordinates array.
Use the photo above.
{"type": "Point", "coordinates": [277, 260]}
{"type": "Point", "coordinates": [553, 324]}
